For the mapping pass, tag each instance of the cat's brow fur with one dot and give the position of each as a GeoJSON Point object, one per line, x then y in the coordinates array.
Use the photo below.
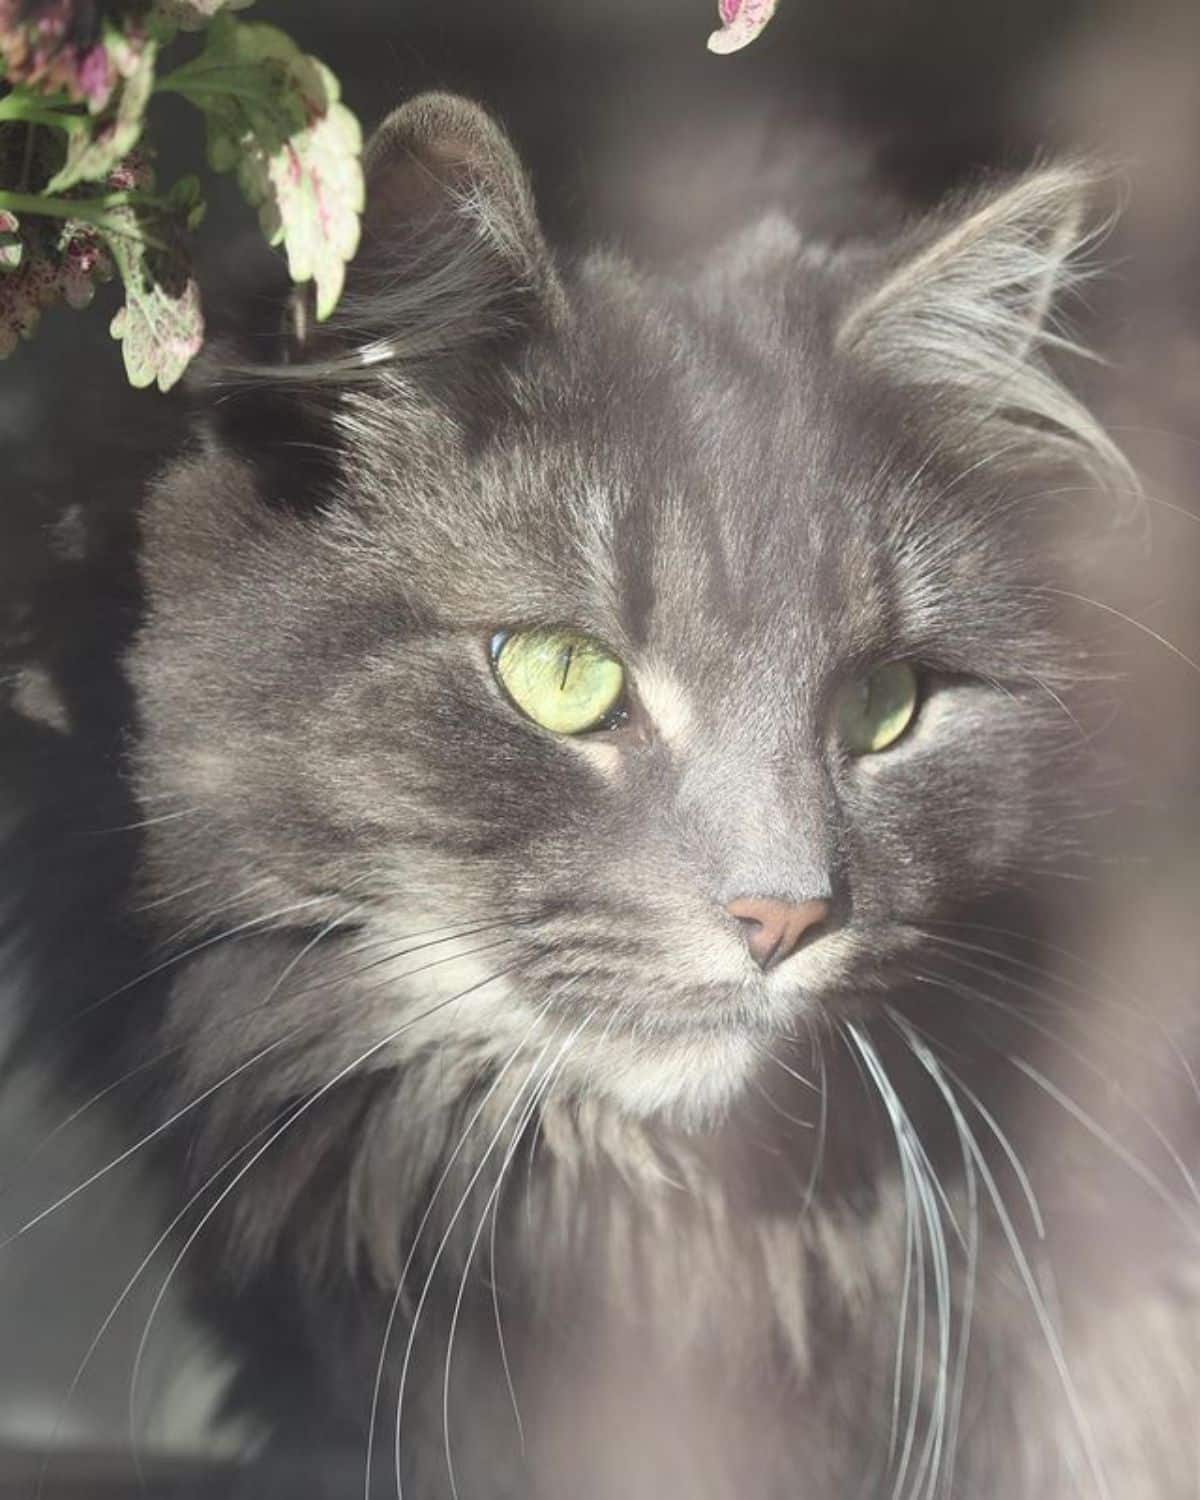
{"type": "Point", "coordinates": [483, 990]}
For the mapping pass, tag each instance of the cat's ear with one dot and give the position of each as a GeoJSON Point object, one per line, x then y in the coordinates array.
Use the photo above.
{"type": "Point", "coordinates": [452, 253]}
{"type": "Point", "coordinates": [452, 276]}
{"type": "Point", "coordinates": [974, 284]}
{"type": "Point", "coordinates": [966, 304]}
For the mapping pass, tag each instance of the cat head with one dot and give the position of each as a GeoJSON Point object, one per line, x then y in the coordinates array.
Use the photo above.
{"type": "Point", "coordinates": [637, 661]}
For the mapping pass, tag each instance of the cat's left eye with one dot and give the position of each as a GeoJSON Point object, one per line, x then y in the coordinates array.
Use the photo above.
{"type": "Point", "coordinates": [563, 680]}
{"type": "Point", "coordinates": [875, 709]}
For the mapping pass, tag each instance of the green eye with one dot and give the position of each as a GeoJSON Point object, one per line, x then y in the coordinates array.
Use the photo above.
{"type": "Point", "coordinates": [874, 710]}
{"type": "Point", "coordinates": [565, 681]}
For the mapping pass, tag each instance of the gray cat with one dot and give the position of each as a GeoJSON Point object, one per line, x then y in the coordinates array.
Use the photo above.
{"type": "Point", "coordinates": [606, 742]}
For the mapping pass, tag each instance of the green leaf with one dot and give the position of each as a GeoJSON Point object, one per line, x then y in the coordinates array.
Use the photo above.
{"type": "Point", "coordinates": [161, 326]}
{"type": "Point", "coordinates": [95, 147]}
{"type": "Point", "coordinates": [186, 202]}
{"type": "Point", "coordinates": [12, 247]}
{"type": "Point", "coordinates": [274, 116]}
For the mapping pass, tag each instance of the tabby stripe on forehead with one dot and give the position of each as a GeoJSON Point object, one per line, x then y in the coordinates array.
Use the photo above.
{"type": "Point", "coordinates": [720, 587]}
{"type": "Point", "coordinates": [636, 567]}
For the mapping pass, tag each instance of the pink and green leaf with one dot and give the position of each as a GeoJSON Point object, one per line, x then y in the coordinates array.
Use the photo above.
{"type": "Point", "coordinates": [741, 22]}
{"type": "Point", "coordinates": [161, 326]}
{"type": "Point", "coordinates": [275, 117]}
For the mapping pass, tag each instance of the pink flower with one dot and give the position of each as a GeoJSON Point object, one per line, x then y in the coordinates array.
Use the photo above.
{"type": "Point", "coordinates": [66, 44]}
{"type": "Point", "coordinates": [741, 21]}
{"type": "Point", "coordinates": [95, 76]}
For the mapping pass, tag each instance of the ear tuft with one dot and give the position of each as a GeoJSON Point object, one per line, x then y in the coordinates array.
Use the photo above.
{"type": "Point", "coordinates": [439, 156]}
{"type": "Point", "coordinates": [967, 305]}
{"type": "Point", "coordinates": [987, 269]}
{"type": "Point", "coordinates": [450, 223]}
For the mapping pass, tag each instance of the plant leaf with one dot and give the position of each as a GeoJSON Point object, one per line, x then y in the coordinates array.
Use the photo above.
{"type": "Point", "coordinates": [274, 115]}
{"type": "Point", "coordinates": [23, 294]}
{"type": "Point", "coordinates": [93, 152]}
{"type": "Point", "coordinates": [59, 261]}
{"type": "Point", "coordinates": [161, 326]}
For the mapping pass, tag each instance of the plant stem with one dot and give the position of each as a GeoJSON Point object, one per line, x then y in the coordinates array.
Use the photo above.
{"type": "Point", "coordinates": [50, 208]}
{"type": "Point", "coordinates": [18, 107]}
{"type": "Point", "coordinates": [90, 210]}
{"type": "Point", "coordinates": [93, 211]}
{"type": "Point", "coordinates": [196, 91]}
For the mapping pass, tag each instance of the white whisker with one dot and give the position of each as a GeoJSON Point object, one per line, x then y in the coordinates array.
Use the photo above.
{"type": "Point", "coordinates": [1120, 614]}
{"type": "Point", "coordinates": [136, 1277]}
{"type": "Point", "coordinates": [1105, 1077]}
{"type": "Point", "coordinates": [919, 1176]}
{"type": "Point", "coordinates": [342, 1073]}
{"type": "Point", "coordinates": [810, 1188]}
{"type": "Point", "coordinates": [493, 1199]}
{"type": "Point", "coordinates": [206, 1094]}
{"type": "Point", "coordinates": [435, 1262]}
{"type": "Point", "coordinates": [1049, 1333]}
{"type": "Point", "coordinates": [1138, 1168]}
{"type": "Point", "coordinates": [381, 1363]}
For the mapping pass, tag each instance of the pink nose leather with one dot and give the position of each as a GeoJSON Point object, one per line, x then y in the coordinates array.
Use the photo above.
{"type": "Point", "coordinates": [773, 929]}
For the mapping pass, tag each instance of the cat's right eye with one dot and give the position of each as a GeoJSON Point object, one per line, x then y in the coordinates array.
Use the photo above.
{"type": "Point", "coordinates": [563, 680]}
{"type": "Point", "coordinates": [875, 709]}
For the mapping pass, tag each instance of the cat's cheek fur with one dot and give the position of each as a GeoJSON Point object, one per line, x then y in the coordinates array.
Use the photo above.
{"type": "Point", "coordinates": [968, 801]}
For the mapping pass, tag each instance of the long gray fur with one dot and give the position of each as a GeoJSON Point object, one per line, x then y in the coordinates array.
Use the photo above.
{"type": "Point", "coordinates": [486, 1047]}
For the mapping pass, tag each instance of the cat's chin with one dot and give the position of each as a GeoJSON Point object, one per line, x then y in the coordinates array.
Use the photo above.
{"type": "Point", "coordinates": [689, 1080]}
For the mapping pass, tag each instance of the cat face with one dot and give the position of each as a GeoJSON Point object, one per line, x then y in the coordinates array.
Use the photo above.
{"type": "Point", "coordinates": [786, 564]}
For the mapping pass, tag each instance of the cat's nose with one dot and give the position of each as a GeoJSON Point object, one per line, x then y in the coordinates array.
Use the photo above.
{"type": "Point", "coordinates": [773, 929]}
